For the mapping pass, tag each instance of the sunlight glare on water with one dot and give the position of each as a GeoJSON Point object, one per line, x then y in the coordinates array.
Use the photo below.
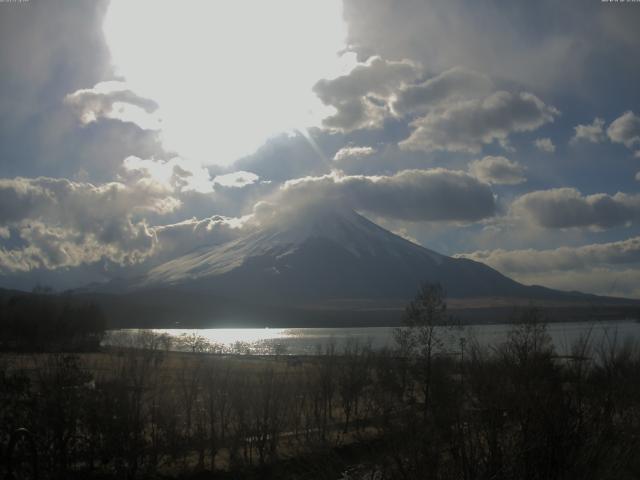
{"type": "Point", "coordinates": [230, 336]}
{"type": "Point", "coordinates": [305, 341]}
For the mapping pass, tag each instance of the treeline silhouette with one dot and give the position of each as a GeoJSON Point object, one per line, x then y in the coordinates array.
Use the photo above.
{"type": "Point", "coordinates": [430, 408]}
{"type": "Point", "coordinates": [43, 321]}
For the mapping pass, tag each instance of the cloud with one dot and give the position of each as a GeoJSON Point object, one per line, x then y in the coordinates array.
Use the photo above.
{"type": "Point", "coordinates": [456, 109]}
{"type": "Point", "coordinates": [347, 153]}
{"type": "Point", "coordinates": [545, 145]}
{"type": "Point", "coordinates": [179, 238]}
{"type": "Point", "coordinates": [68, 201]}
{"type": "Point", "coordinates": [237, 179]}
{"type": "Point", "coordinates": [497, 170]}
{"type": "Point", "coordinates": [177, 173]}
{"type": "Point", "coordinates": [638, 176]}
{"type": "Point", "coordinates": [593, 132]}
{"type": "Point", "coordinates": [48, 49]}
{"type": "Point", "coordinates": [124, 242]}
{"type": "Point", "coordinates": [361, 97]}
{"type": "Point", "coordinates": [518, 44]}
{"type": "Point", "coordinates": [113, 100]}
{"type": "Point", "coordinates": [468, 125]}
{"type": "Point", "coordinates": [624, 252]}
{"type": "Point", "coordinates": [606, 268]}
{"type": "Point", "coordinates": [457, 83]}
{"type": "Point", "coordinates": [412, 195]}
{"type": "Point", "coordinates": [626, 130]}
{"type": "Point", "coordinates": [51, 49]}
{"type": "Point", "coordinates": [284, 157]}
{"type": "Point", "coordinates": [567, 207]}
{"type": "Point", "coordinates": [59, 223]}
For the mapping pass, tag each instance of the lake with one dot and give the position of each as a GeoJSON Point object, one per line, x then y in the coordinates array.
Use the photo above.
{"type": "Point", "coordinates": [305, 341]}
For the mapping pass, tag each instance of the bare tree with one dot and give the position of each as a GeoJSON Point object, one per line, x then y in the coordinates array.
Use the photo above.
{"type": "Point", "coordinates": [216, 394]}
{"type": "Point", "coordinates": [422, 337]}
{"type": "Point", "coordinates": [353, 377]}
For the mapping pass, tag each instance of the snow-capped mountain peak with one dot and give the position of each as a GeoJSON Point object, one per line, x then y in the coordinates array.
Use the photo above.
{"type": "Point", "coordinates": [324, 253]}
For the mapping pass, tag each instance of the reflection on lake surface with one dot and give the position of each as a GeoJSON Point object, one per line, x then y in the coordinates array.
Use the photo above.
{"type": "Point", "coordinates": [304, 341]}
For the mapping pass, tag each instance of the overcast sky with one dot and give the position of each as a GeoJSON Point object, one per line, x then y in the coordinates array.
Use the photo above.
{"type": "Point", "coordinates": [507, 132]}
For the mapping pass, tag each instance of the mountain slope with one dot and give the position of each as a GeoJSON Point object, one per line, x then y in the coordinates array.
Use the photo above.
{"type": "Point", "coordinates": [325, 254]}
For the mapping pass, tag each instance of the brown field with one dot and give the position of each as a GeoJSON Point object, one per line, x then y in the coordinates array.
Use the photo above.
{"type": "Point", "coordinates": [518, 411]}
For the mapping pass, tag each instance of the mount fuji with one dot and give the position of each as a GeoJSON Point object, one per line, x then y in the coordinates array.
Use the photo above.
{"type": "Point", "coordinates": [320, 266]}
{"type": "Point", "coordinates": [325, 254]}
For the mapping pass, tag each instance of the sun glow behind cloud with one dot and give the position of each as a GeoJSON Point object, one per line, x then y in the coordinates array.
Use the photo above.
{"type": "Point", "coordinates": [228, 74]}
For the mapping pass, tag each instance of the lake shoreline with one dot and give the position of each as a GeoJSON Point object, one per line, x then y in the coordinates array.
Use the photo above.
{"type": "Point", "coordinates": [313, 341]}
